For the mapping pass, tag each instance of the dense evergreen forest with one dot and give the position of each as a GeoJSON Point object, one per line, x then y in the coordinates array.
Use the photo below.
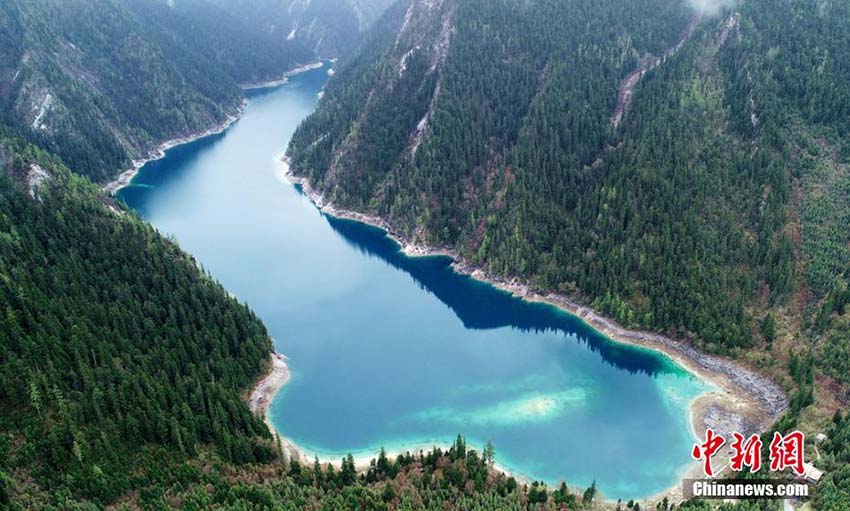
{"type": "Point", "coordinates": [486, 127]}
{"type": "Point", "coordinates": [102, 82]}
{"type": "Point", "coordinates": [330, 28]}
{"type": "Point", "coordinates": [716, 210]}
{"type": "Point", "coordinates": [112, 339]}
{"type": "Point", "coordinates": [122, 370]}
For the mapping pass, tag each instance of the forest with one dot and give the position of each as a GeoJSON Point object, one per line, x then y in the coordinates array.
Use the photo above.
{"type": "Point", "coordinates": [718, 201]}
{"type": "Point", "coordinates": [123, 368]}
{"type": "Point", "coordinates": [329, 28]}
{"type": "Point", "coordinates": [716, 211]}
{"type": "Point", "coordinates": [112, 339]}
{"type": "Point", "coordinates": [101, 83]}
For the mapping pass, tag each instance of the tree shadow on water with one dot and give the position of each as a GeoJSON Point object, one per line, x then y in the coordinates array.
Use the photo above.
{"type": "Point", "coordinates": [481, 306]}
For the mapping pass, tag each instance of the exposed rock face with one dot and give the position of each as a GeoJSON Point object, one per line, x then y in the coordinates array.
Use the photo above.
{"type": "Point", "coordinates": [328, 28]}
{"type": "Point", "coordinates": [415, 38]}
{"type": "Point", "coordinates": [647, 64]}
{"type": "Point", "coordinates": [100, 83]}
{"type": "Point", "coordinates": [486, 127]}
{"type": "Point", "coordinates": [427, 25]}
{"type": "Point", "coordinates": [36, 177]}
{"type": "Point", "coordinates": [43, 107]}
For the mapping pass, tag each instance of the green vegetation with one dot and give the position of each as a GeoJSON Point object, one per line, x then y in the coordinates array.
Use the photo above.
{"type": "Point", "coordinates": [825, 186]}
{"type": "Point", "coordinates": [458, 478]}
{"type": "Point", "coordinates": [122, 368]}
{"type": "Point", "coordinates": [802, 371]}
{"type": "Point", "coordinates": [833, 320]}
{"type": "Point", "coordinates": [502, 147]}
{"type": "Point", "coordinates": [100, 82]}
{"type": "Point", "coordinates": [834, 490]}
{"type": "Point", "coordinates": [122, 371]}
{"type": "Point", "coordinates": [330, 28]}
{"type": "Point", "coordinates": [521, 171]}
{"type": "Point", "coordinates": [747, 505]}
{"type": "Point", "coordinates": [115, 350]}
{"type": "Point", "coordinates": [716, 211]}
{"type": "Point", "coordinates": [717, 205]}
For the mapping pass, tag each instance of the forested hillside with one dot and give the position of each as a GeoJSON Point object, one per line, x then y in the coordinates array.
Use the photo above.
{"type": "Point", "coordinates": [717, 203]}
{"type": "Point", "coordinates": [715, 209]}
{"type": "Point", "coordinates": [122, 370]}
{"type": "Point", "coordinates": [102, 82]}
{"type": "Point", "coordinates": [329, 28]}
{"type": "Point", "coordinates": [114, 348]}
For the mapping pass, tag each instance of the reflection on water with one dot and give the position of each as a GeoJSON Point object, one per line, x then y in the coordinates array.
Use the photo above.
{"type": "Point", "coordinates": [480, 306]}
{"type": "Point", "coordinates": [400, 352]}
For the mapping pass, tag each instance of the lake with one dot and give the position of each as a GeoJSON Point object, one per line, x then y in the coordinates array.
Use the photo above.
{"type": "Point", "coordinates": [401, 352]}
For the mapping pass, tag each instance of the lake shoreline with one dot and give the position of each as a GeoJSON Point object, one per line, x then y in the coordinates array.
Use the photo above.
{"type": "Point", "coordinates": [157, 153]}
{"type": "Point", "coordinates": [125, 178]}
{"type": "Point", "coordinates": [744, 401]}
{"type": "Point", "coordinates": [276, 376]}
{"type": "Point", "coordinates": [259, 400]}
{"type": "Point", "coordinates": [284, 78]}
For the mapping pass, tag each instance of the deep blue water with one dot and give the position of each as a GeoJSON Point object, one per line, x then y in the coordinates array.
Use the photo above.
{"type": "Point", "coordinates": [393, 351]}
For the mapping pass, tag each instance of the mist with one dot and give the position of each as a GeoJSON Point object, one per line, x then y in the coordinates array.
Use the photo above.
{"type": "Point", "coordinates": [710, 7]}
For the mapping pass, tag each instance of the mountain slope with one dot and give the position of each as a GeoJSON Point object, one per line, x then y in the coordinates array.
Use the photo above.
{"type": "Point", "coordinates": [103, 82]}
{"type": "Point", "coordinates": [493, 130]}
{"type": "Point", "coordinates": [122, 365]}
{"type": "Point", "coordinates": [329, 28]}
{"type": "Point", "coordinates": [122, 371]}
{"type": "Point", "coordinates": [112, 340]}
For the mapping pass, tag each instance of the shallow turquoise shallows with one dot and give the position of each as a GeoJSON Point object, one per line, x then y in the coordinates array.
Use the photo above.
{"type": "Point", "coordinates": [402, 352]}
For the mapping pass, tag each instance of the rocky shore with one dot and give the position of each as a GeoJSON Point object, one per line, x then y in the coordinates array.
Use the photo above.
{"type": "Point", "coordinates": [743, 401]}
{"type": "Point", "coordinates": [284, 78]}
{"type": "Point", "coordinates": [126, 177]}
{"type": "Point", "coordinates": [260, 399]}
{"type": "Point", "coordinates": [157, 153]}
{"type": "Point", "coordinates": [277, 375]}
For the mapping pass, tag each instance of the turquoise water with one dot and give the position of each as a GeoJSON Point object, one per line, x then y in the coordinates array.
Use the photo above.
{"type": "Point", "coordinates": [400, 352]}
